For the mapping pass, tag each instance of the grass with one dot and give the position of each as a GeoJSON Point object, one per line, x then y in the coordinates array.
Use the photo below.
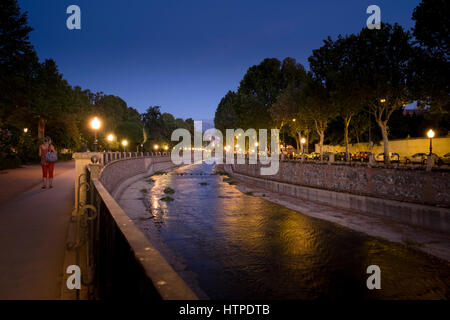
{"type": "Point", "coordinates": [203, 183]}
{"type": "Point", "coordinates": [158, 173]}
{"type": "Point", "coordinates": [167, 199]}
{"type": "Point", "coordinates": [229, 180]}
{"type": "Point", "coordinates": [412, 243]}
{"type": "Point", "coordinates": [222, 173]}
{"type": "Point", "coordinates": [168, 190]}
{"type": "Point", "coordinates": [145, 218]}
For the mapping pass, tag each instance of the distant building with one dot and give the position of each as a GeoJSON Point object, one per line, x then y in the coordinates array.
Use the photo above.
{"type": "Point", "coordinates": [410, 112]}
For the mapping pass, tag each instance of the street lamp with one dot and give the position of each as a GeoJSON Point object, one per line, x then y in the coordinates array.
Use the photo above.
{"type": "Point", "coordinates": [25, 130]}
{"type": "Point", "coordinates": [302, 142]}
{"type": "Point", "coordinates": [156, 147]}
{"type": "Point", "coordinates": [382, 100]}
{"type": "Point", "coordinates": [430, 135]}
{"type": "Point", "coordinates": [124, 144]}
{"type": "Point", "coordinates": [95, 124]}
{"type": "Point", "coordinates": [110, 139]}
{"type": "Point", "coordinates": [166, 148]}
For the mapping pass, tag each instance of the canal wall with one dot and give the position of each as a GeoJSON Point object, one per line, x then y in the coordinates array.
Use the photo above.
{"type": "Point", "coordinates": [409, 195]}
{"type": "Point", "coordinates": [119, 174]}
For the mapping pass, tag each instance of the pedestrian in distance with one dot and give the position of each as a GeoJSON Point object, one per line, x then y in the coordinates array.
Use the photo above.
{"type": "Point", "coordinates": [48, 156]}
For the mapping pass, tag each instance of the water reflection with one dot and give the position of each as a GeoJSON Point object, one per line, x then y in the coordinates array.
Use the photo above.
{"type": "Point", "coordinates": [241, 246]}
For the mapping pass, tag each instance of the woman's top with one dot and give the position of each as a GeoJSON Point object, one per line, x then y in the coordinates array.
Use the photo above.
{"type": "Point", "coordinates": [44, 151]}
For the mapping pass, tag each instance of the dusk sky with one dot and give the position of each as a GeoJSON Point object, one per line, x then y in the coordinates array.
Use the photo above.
{"type": "Point", "coordinates": [186, 55]}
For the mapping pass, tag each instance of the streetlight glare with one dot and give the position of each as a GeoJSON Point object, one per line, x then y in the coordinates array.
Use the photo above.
{"type": "Point", "coordinates": [156, 147]}
{"type": "Point", "coordinates": [382, 100]}
{"type": "Point", "coordinates": [95, 123]}
{"type": "Point", "coordinates": [110, 137]}
{"type": "Point", "coordinates": [303, 140]}
{"type": "Point", "coordinates": [124, 143]}
{"type": "Point", "coordinates": [430, 133]}
{"type": "Point", "coordinates": [166, 147]}
{"type": "Point", "coordinates": [25, 130]}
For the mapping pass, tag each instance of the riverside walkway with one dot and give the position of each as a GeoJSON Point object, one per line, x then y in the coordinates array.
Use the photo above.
{"type": "Point", "coordinates": [33, 229]}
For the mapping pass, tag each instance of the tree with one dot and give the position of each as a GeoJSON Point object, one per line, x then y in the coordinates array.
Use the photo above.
{"type": "Point", "coordinates": [384, 74]}
{"type": "Point", "coordinates": [432, 26]}
{"type": "Point", "coordinates": [260, 88]}
{"type": "Point", "coordinates": [50, 99]}
{"type": "Point", "coordinates": [225, 116]}
{"type": "Point", "coordinates": [18, 63]}
{"type": "Point", "coordinates": [316, 107]}
{"type": "Point", "coordinates": [431, 63]}
{"type": "Point", "coordinates": [330, 64]}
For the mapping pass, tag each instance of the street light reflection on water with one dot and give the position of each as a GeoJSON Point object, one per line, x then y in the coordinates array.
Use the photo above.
{"type": "Point", "coordinates": [240, 246]}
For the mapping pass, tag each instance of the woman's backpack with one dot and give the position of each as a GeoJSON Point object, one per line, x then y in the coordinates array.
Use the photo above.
{"type": "Point", "coordinates": [50, 156]}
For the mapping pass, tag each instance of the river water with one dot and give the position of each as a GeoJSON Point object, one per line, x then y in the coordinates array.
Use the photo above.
{"type": "Point", "coordinates": [243, 247]}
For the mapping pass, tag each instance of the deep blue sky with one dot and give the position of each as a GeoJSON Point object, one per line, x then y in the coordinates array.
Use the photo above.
{"type": "Point", "coordinates": [185, 55]}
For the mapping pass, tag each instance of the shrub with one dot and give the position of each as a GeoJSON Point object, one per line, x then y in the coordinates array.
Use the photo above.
{"type": "Point", "coordinates": [169, 190]}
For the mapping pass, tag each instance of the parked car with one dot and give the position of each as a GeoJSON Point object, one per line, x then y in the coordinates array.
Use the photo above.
{"type": "Point", "coordinates": [420, 157]}
{"type": "Point", "coordinates": [362, 156]}
{"type": "Point", "coordinates": [316, 156]}
{"type": "Point", "coordinates": [312, 156]}
{"type": "Point", "coordinates": [393, 157]}
{"type": "Point", "coordinates": [340, 156]}
{"type": "Point", "coordinates": [445, 159]}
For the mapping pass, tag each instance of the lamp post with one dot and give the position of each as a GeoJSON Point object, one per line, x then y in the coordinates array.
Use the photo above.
{"type": "Point", "coordinates": [430, 135]}
{"type": "Point", "coordinates": [155, 147]}
{"type": "Point", "coordinates": [124, 144]}
{"type": "Point", "coordinates": [110, 139]}
{"type": "Point", "coordinates": [302, 142]}
{"type": "Point", "coordinates": [95, 124]}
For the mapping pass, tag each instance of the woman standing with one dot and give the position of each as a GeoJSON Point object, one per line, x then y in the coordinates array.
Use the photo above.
{"type": "Point", "coordinates": [47, 167]}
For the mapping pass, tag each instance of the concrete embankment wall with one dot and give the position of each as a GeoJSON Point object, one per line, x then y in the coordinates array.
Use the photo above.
{"type": "Point", "coordinates": [119, 174]}
{"type": "Point", "coordinates": [130, 265]}
{"type": "Point", "coordinates": [409, 195]}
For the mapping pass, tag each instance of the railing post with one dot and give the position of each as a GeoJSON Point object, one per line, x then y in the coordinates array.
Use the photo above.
{"type": "Point", "coordinates": [82, 159]}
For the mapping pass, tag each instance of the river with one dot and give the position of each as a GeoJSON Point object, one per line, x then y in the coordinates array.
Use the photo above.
{"type": "Point", "coordinates": [240, 246]}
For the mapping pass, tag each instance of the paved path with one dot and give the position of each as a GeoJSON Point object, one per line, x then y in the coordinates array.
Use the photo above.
{"type": "Point", "coordinates": [33, 229]}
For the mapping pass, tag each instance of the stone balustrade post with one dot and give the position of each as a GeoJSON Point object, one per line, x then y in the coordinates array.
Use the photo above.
{"type": "Point", "coordinates": [330, 158]}
{"type": "Point", "coordinates": [82, 160]}
{"type": "Point", "coordinates": [430, 162]}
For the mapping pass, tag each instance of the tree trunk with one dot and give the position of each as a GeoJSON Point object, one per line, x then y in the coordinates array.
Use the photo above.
{"type": "Point", "coordinates": [383, 127]}
{"type": "Point", "coordinates": [321, 135]}
{"type": "Point", "coordinates": [346, 125]}
{"type": "Point", "coordinates": [41, 128]}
